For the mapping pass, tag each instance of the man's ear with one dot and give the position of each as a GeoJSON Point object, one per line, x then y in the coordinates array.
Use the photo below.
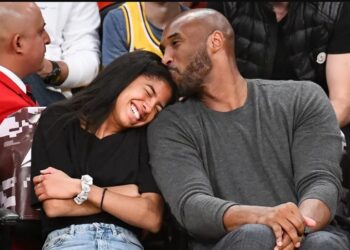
{"type": "Point", "coordinates": [216, 41]}
{"type": "Point", "coordinates": [17, 43]}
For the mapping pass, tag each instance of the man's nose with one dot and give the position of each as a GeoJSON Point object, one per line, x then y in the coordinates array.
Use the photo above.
{"type": "Point", "coordinates": [167, 59]}
{"type": "Point", "coordinates": [47, 39]}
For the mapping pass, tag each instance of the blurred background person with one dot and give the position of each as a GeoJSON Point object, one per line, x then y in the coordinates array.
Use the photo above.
{"type": "Point", "coordinates": [22, 46]}
{"type": "Point", "coordinates": [136, 25]}
{"type": "Point", "coordinates": [72, 59]}
{"type": "Point", "coordinates": [297, 41]}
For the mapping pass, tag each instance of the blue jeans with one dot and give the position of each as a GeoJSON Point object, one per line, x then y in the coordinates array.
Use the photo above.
{"type": "Point", "coordinates": [261, 237]}
{"type": "Point", "coordinates": [42, 95]}
{"type": "Point", "coordinates": [99, 236]}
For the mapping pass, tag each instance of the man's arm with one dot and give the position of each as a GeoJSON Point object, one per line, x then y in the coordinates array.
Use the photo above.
{"type": "Point", "coordinates": [316, 154]}
{"type": "Point", "coordinates": [338, 66]}
{"type": "Point", "coordinates": [177, 168]}
{"type": "Point", "coordinates": [318, 211]}
{"type": "Point", "coordinates": [338, 81]}
{"type": "Point", "coordinates": [80, 57]}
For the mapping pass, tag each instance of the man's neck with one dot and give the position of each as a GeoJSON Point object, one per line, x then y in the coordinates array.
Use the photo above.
{"type": "Point", "coordinates": [225, 94]}
{"type": "Point", "coordinates": [280, 9]}
{"type": "Point", "coordinates": [160, 13]}
{"type": "Point", "coordinates": [13, 77]}
{"type": "Point", "coordinates": [13, 65]}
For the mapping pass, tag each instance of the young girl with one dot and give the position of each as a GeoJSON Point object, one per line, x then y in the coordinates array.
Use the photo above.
{"type": "Point", "coordinates": [90, 158]}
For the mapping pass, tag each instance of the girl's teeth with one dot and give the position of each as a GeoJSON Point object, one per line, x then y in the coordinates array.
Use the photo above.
{"type": "Point", "coordinates": [135, 112]}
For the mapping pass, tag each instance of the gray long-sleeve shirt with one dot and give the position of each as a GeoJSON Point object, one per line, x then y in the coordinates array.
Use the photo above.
{"type": "Point", "coordinates": [283, 145]}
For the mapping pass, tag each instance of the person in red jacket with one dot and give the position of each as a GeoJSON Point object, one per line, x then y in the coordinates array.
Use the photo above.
{"type": "Point", "coordinates": [22, 47]}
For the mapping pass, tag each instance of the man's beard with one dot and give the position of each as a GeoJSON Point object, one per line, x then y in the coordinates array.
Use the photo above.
{"type": "Point", "coordinates": [190, 81]}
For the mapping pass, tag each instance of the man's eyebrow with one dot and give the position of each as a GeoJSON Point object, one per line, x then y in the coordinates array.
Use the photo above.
{"type": "Point", "coordinates": [173, 35]}
{"type": "Point", "coordinates": [161, 46]}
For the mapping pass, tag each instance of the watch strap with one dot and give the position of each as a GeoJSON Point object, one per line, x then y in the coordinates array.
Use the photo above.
{"type": "Point", "coordinates": [54, 77]}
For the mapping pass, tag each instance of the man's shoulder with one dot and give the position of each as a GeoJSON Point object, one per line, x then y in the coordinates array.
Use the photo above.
{"type": "Point", "coordinates": [182, 107]}
{"type": "Point", "coordinates": [178, 112]}
{"type": "Point", "coordinates": [9, 88]}
{"type": "Point", "coordinates": [286, 91]}
{"type": "Point", "coordinates": [284, 85]}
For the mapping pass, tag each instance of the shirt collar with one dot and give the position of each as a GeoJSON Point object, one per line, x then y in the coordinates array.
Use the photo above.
{"type": "Point", "coordinates": [14, 78]}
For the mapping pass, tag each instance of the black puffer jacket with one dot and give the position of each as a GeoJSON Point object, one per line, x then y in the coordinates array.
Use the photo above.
{"type": "Point", "coordinates": [309, 26]}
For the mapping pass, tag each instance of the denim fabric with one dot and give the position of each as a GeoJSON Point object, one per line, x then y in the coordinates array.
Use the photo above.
{"type": "Point", "coordinates": [248, 237]}
{"type": "Point", "coordinates": [99, 236]}
{"type": "Point", "coordinates": [329, 238]}
{"type": "Point", "coordinates": [42, 95]}
{"type": "Point", "coordinates": [261, 237]}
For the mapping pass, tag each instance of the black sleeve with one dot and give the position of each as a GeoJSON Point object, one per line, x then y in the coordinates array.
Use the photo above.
{"type": "Point", "coordinates": [145, 178]}
{"type": "Point", "coordinates": [39, 158]}
{"type": "Point", "coordinates": [340, 41]}
{"type": "Point", "coordinates": [49, 146]}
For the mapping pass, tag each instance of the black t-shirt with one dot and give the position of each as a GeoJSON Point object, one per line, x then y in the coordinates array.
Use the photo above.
{"type": "Point", "coordinates": [117, 159]}
{"type": "Point", "coordinates": [339, 43]}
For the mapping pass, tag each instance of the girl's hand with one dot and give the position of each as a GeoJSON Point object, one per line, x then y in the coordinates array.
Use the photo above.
{"type": "Point", "coordinates": [55, 184]}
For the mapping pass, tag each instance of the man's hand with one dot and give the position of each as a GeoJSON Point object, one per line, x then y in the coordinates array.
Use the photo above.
{"type": "Point", "coordinates": [284, 219]}
{"type": "Point", "coordinates": [55, 184]}
{"type": "Point", "coordinates": [287, 243]}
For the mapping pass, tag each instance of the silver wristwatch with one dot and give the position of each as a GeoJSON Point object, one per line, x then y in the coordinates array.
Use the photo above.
{"type": "Point", "coordinates": [86, 182]}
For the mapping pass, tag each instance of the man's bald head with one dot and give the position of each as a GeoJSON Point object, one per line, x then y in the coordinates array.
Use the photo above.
{"type": "Point", "coordinates": [22, 37]}
{"type": "Point", "coordinates": [195, 45]}
{"type": "Point", "coordinates": [14, 17]}
{"type": "Point", "coordinates": [204, 22]}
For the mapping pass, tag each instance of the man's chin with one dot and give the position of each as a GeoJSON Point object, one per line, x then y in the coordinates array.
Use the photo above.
{"type": "Point", "coordinates": [177, 79]}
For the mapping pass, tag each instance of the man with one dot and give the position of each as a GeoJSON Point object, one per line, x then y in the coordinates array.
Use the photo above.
{"type": "Point", "coordinates": [241, 165]}
{"type": "Point", "coordinates": [22, 47]}
{"type": "Point", "coordinates": [72, 59]}
{"type": "Point", "coordinates": [136, 25]}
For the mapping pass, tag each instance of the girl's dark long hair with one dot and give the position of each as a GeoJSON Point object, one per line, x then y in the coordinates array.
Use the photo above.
{"type": "Point", "coordinates": [93, 104]}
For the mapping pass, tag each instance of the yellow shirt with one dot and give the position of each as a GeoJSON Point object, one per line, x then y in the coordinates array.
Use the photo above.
{"type": "Point", "coordinates": [138, 30]}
